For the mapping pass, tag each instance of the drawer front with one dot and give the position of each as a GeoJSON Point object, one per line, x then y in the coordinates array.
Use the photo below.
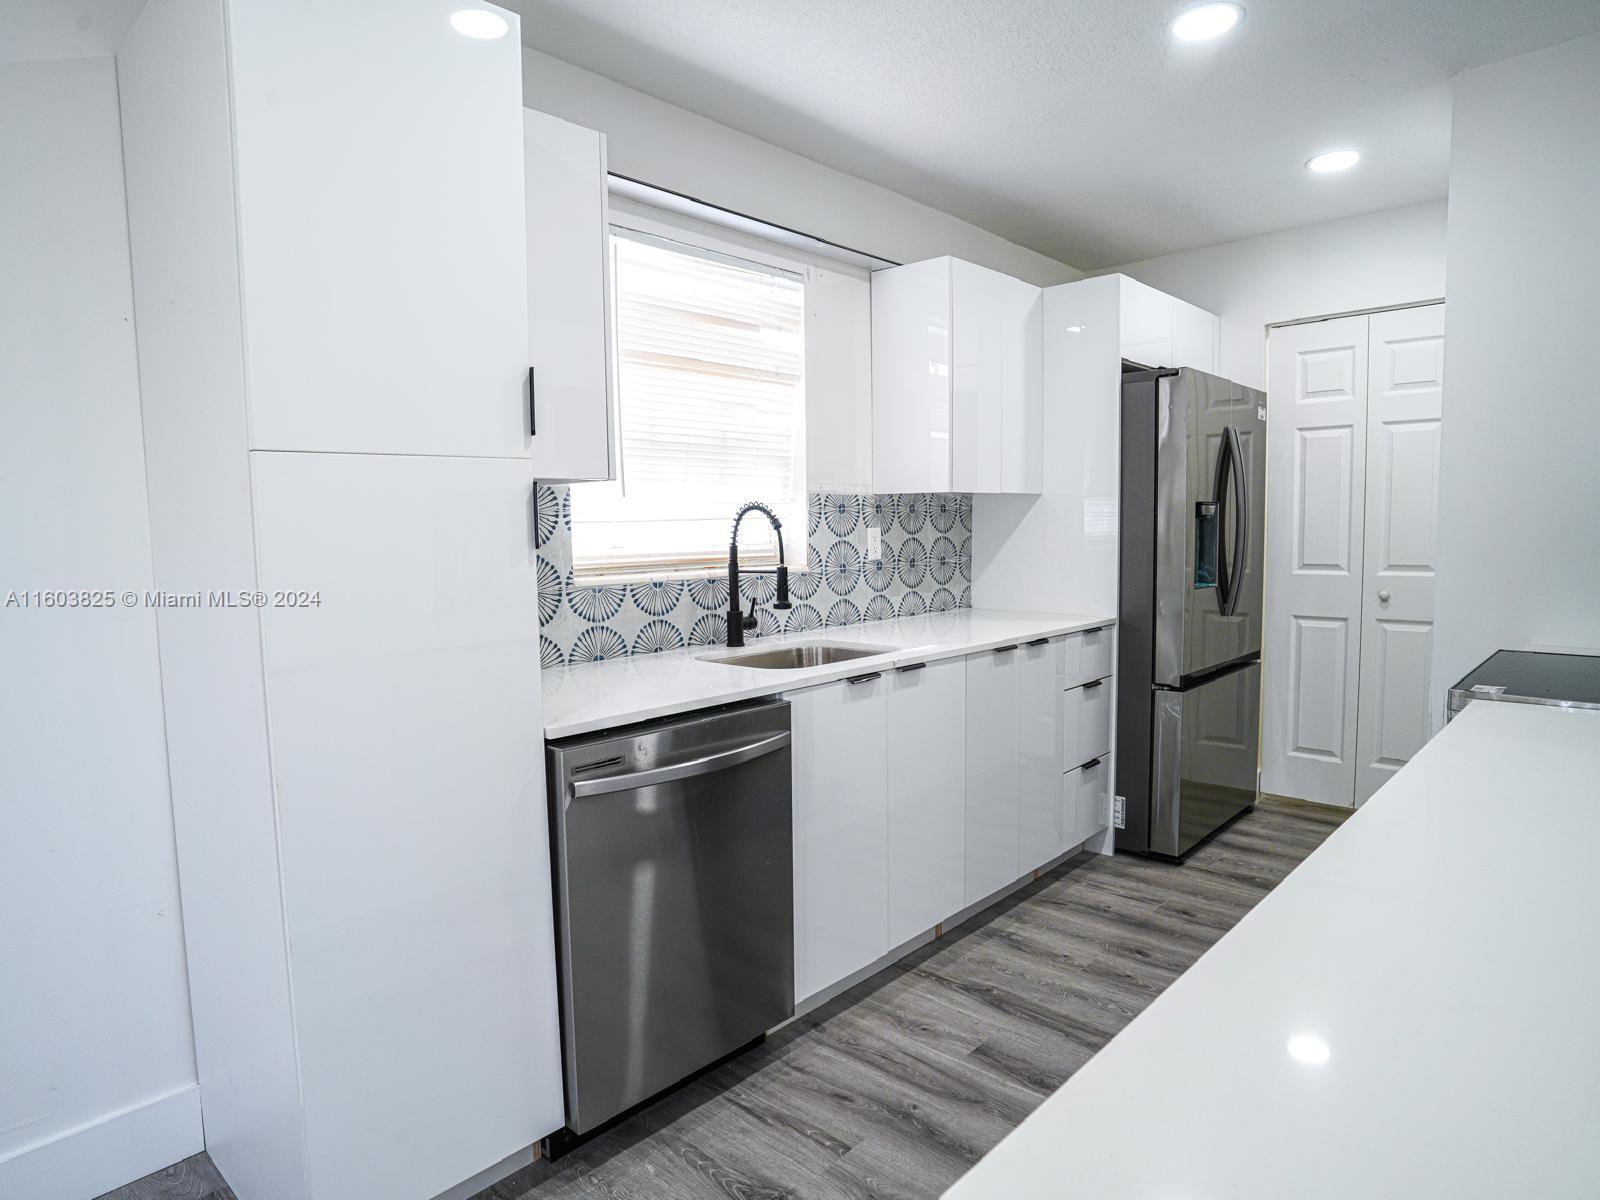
{"type": "Point", "coordinates": [1085, 801]}
{"type": "Point", "coordinates": [1089, 655]}
{"type": "Point", "coordinates": [1085, 723]}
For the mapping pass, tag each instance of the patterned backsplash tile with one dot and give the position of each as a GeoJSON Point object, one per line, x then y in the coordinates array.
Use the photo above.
{"type": "Point", "coordinates": [926, 566]}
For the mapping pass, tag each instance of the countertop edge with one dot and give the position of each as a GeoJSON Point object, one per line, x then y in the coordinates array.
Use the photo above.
{"type": "Point", "coordinates": [1051, 625]}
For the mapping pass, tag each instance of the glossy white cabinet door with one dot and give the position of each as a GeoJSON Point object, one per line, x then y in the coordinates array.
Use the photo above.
{"type": "Point", "coordinates": [838, 382]}
{"type": "Point", "coordinates": [993, 746]}
{"type": "Point", "coordinates": [1039, 678]}
{"type": "Point", "coordinates": [1086, 723]}
{"type": "Point", "coordinates": [378, 159]}
{"type": "Point", "coordinates": [569, 269]}
{"type": "Point", "coordinates": [911, 367]}
{"type": "Point", "coordinates": [997, 326]}
{"type": "Point", "coordinates": [841, 831]}
{"type": "Point", "coordinates": [927, 713]}
{"type": "Point", "coordinates": [1085, 801]}
{"type": "Point", "coordinates": [404, 717]}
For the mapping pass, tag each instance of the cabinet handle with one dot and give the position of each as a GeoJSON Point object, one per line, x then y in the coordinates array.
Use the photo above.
{"type": "Point", "coordinates": [866, 678]}
{"type": "Point", "coordinates": [912, 667]}
{"type": "Point", "coordinates": [1040, 642]}
{"type": "Point", "coordinates": [1090, 765]}
{"type": "Point", "coordinates": [1096, 629]}
{"type": "Point", "coordinates": [1005, 649]}
{"type": "Point", "coordinates": [1091, 686]}
{"type": "Point", "coordinates": [533, 418]}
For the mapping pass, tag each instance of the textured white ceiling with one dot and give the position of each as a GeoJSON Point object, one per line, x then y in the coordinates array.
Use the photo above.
{"type": "Point", "coordinates": [1078, 129]}
{"type": "Point", "coordinates": [32, 30]}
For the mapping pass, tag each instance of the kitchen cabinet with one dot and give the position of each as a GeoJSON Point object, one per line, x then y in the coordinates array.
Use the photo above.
{"type": "Point", "coordinates": [926, 746]}
{"type": "Point", "coordinates": [957, 380]}
{"type": "Point", "coordinates": [411, 811]}
{"type": "Point", "coordinates": [1039, 701]}
{"type": "Point", "coordinates": [569, 302]}
{"type": "Point", "coordinates": [1088, 656]}
{"type": "Point", "coordinates": [376, 156]}
{"type": "Point", "coordinates": [1086, 723]}
{"type": "Point", "coordinates": [841, 830]}
{"type": "Point", "coordinates": [838, 382]}
{"type": "Point", "coordinates": [1085, 802]}
{"type": "Point", "coordinates": [993, 772]}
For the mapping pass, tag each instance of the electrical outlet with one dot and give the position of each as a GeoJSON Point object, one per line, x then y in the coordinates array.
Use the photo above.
{"type": "Point", "coordinates": [1119, 812]}
{"type": "Point", "coordinates": [874, 542]}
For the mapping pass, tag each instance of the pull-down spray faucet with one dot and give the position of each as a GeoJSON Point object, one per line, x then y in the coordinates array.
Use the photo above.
{"type": "Point", "coordinates": [738, 622]}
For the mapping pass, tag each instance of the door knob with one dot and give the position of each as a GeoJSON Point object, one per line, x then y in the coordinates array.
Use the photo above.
{"type": "Point", "coordinates": [1383, 595]}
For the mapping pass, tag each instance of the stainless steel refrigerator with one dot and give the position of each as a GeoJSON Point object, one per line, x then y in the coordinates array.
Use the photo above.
{"type": "Point", "coordinates": [1194, 451]}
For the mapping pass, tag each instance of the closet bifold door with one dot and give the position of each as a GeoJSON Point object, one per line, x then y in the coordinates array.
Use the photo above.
{"type": "Point", "coordinates": [1405, 398]}
{"type": "Point", "coordinates": [1316, 488]}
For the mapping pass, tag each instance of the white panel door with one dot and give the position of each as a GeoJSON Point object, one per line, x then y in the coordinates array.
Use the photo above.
{"type": "Point", "coordinates": [1404, 410]}
{"type": "Point", "coordinates": [1040, 670]}
{"type": "Point", "coordinates": [1316, 479]}
{"type": "Point", "coordinates": [993, 798]}
{"type": "Point", "coordinates": [841, 831]}
{"type": "Point", "coordinates": [569, 269]}
{"type": "Point", "coordinates": [927, 713]}
{"type": "Point", "coordinates": [404, 716]}
{"type": "Point", "coordinates": [382, 226]}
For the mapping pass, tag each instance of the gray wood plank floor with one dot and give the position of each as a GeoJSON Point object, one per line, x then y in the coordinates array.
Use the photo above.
{"type": "Point", "coordinates": [898, 1086]}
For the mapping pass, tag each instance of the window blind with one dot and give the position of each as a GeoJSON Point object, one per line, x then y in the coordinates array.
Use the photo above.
{"type": "Point", "coordinates": [710, 392]}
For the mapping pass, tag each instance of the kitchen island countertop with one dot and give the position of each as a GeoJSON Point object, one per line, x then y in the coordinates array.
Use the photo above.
{"type": "Point", "coordinates": [1410, 1013]}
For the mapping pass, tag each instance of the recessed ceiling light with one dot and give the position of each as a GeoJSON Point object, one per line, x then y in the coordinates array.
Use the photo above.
{"type": "Point", "coordinates": [1309, 1049]}
{"type": "Point", "coordinates": [1206, 21]}
{"type": "Point", "coordinates": [1333, 160]}
{"type": "Point", "coordinates": [479, 23]}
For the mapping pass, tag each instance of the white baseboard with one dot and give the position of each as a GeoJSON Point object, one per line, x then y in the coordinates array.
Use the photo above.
{"type": "Point", "coordinates": [109, 1151]}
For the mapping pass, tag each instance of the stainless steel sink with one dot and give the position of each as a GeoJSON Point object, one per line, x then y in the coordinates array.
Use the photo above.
{"type": "Point", "coordinates": [804, 654]}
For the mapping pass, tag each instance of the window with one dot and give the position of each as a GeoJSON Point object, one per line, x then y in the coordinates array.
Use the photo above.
{"type": "Point", "coordinates": [711, 412]}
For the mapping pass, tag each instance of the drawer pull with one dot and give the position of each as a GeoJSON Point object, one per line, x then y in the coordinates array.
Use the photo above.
{"type": "Point", "coordinates": [911, 667]}
{"type": "Point", "coordinates": [1005, 649]}
{"type": "Point", "coordinates": [1040, 642]}
{"type": "Point", "coordinates": [1096, 629]}
{"type": "Point", "coordinates": [1090, 765]}
{"type": "Point", "coordinates": [1091, 686]}
{"type": "Point", "coordinates": [866, 678]}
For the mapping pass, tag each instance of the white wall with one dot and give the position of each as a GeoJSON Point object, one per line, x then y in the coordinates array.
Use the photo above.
{"type": "Point", "coordinates": [1393, 257]}
{"type": "Point", "coordinates": [1519, 488]}
{"type": "Point", "coordinates": [97, 1074]}
{"type": "Point", "coordinates": [671, 147]}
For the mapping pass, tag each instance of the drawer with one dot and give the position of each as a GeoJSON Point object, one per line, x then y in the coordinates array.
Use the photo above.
{"type": "Point", "coordinates": [1085, 723]}
{"type": "Point", "coordinates": [1089, 655]}
{"type": "Point", "coordinates": [1085, 801]}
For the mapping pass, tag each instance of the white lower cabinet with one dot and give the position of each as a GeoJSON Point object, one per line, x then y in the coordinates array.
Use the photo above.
{"type": "Point", "coordinates": [841, 830]}
{"type": "Point", "coordinates": [1087, 656]}
{"type": "Point", "coordinates": [926, 747]}
{"type": "Point", "coordinates": [1086, 723]}
{"type": "Point", "coordinates": [993, 774]}
{"type": "Point", "coordinates": [1085, 801]}
{"type": "Point", "coordinates": [1039, 680]}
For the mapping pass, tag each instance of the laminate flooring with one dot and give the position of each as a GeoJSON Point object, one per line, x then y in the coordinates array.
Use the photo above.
{"type": "Point", "coordinates": [894, 1089]}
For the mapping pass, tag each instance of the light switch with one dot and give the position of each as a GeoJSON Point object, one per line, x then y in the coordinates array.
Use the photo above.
{"type": "Point", "coordinates": [874, 542]}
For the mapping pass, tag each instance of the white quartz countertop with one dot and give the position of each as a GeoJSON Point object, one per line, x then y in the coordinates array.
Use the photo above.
{"type": "Point", "coordinates": [591, 696]}
{"type": "Point", "coordinates": [1412, 1013]}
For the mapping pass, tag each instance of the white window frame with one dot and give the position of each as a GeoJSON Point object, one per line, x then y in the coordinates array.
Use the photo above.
{"type": "Point", "coordinates": [680, 232]}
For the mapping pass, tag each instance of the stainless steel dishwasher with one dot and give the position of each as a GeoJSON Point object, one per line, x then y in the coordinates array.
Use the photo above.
{"type": "Point", "coordinates": [674, 885]}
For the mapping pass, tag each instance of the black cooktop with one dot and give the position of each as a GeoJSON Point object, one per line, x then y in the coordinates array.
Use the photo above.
{"type": "Point", "coordinates": [1535, 675]}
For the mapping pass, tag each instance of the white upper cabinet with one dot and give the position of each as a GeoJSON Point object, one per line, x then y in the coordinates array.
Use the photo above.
{"type": "Point", "coordinates": [838, 382]}
{"type": "Point", "coordinates": [957, 379]}
{"type": "Point", "coordinates": [379, 198]}
{"type": "Point", "coordinates": [1158, 330]}
{"type": "Point", "coordinates": [569, 302]}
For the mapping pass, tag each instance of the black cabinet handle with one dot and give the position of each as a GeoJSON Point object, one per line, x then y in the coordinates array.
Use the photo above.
{"type": "Point", "coordinates": [1005, 649]}
{"type": "Point", "coordinates": [1091, 686]}
{"type": "Point", "coordinates": [1040, 642]}
{"type": "Point", "coordinates": [1096, 629]}
{"type": "Point", "coordinates": [533, 419]}
{"type": "Point", "coordinates": [866, 678]}
{"type": "Point", "coordinates": [912, 667]}
{"type": "Point", "coordinates": [1093, 762]}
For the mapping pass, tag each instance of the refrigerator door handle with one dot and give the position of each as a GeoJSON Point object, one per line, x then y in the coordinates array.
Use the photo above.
{"type": "Point", "coordinates": [1219, 498]}
{"type": "Point", "coordinates": [1241, 529]}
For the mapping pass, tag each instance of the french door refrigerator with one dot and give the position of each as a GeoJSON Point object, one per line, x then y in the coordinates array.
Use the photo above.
{"type": "Point", "coordinates": [1192, 503]}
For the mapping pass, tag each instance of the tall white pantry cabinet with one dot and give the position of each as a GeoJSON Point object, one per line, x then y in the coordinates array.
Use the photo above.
{"type": "Point", "coordinates": [326, 212]}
